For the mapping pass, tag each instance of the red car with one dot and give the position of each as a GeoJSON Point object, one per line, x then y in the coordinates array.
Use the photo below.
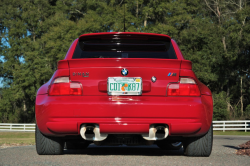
{"type": "Point", "coordinates": [124, 88]}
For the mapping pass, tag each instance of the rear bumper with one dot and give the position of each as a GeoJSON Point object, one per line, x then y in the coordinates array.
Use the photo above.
{"type": "Point", "coordinates": [185, 116]}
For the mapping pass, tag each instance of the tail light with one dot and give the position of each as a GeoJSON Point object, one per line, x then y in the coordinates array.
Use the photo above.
{"type": "Point", "coordinates": [63, 87]}
{"type": "Point", "coordinates": [186, 87]}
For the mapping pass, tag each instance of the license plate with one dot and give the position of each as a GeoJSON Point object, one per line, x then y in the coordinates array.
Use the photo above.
{"type": "Point", "coordinates": [124, 85]}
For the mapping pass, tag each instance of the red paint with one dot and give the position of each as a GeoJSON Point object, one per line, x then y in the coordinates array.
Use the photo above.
{"type": "Point", "coordinates": [122, 128]}
{"type": "Point", "coordinates": [122, 109]}
{"type": "Point", "coordinates": [100, 69]}
{"type": "Point", "coordinates": [71, 50]}
{"type": "Point", "coordinates": [124, 62]}
{"type": "Point", "coordinates": [208, 103]}
{"type": "Point", "coordinates": [146, 86]}
{"type": "Point", "coordinates": [63, 115]}
{"type": "Point", "coordinates": [185, 128]}
{"type": "Point", "coordinates": [185, 64]}
{"type": "Point", "coordinates": [127, 35]}
{"type": "Point", "coordinates": [63, 64]}
{"type": "Point", "coordinates": [177, 50]}
{"type": "Point", "coordinates": [102, 86]}
{"type": "Point", "coordinates": [62, 127]}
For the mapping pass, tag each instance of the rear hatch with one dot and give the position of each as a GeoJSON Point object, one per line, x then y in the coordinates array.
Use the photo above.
{"type": "Point", "coordinates": [150, 57]}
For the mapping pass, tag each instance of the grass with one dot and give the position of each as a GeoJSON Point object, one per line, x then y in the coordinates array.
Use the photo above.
{"type": "Point", "coordinates": [242, 133]}
{"type": "Point", "coordinates": [17, 138]}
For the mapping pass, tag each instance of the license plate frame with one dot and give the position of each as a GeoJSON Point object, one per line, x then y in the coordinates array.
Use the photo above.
{"type": "Point", "coordinates": [133, 87]}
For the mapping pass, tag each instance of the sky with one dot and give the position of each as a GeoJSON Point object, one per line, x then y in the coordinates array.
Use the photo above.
{"type": "Point", "coordinates": [1, 59]}
{"type": "Point", "coordinates": [1, 79]}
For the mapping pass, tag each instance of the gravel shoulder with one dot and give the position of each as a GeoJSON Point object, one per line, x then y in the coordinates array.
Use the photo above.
{"type": "Point", "coordinates": [224, 149]}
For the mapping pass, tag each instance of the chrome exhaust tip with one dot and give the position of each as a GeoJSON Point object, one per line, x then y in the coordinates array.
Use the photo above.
{"type": "Point", "coordinates": [160, 132]}
{"type": "Point", "coordinates": [156, 132]}
{"type": "Point", "coordinates": [92, 133]}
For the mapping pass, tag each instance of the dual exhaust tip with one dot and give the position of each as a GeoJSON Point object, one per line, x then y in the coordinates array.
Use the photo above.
{"type": "Point", "coordinates": [91, 132]}
{"type": "Point", "coordinates": [156, 132]}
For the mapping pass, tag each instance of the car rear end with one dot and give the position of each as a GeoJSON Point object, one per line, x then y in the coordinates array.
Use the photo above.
{"type": "Point", "coordinates": [124, 88]}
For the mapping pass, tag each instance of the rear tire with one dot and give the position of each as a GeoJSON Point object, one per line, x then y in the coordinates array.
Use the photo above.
{"type": "Point", "coordinates": [48, 145]}
{"type": "Point", "coordinates": [199, 146]}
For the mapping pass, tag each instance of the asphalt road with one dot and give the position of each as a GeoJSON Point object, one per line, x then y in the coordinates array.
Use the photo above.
{"type": "Point", "coordinates": [223, 153]}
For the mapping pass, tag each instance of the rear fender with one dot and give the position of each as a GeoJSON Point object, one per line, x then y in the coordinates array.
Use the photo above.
{"type": "Point", "coordinates": [203, 88]}
{"type": "Point", "coordinates": [58, 73]}
{"type": "Point", "coordinates": [208, 107]}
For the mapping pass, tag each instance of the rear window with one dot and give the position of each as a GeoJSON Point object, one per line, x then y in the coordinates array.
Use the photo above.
{"type": "Point", "coordinates": [124, 48]}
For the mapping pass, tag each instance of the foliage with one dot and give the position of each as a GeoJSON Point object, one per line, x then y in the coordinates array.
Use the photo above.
{"type": "Point", "coordinates": [220, 106]}
{"type": "Point", "coordinates": [214, 35]}
{"type": "Point", "coordinates": [247, 112]}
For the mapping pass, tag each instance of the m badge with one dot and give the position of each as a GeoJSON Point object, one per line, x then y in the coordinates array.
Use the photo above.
{"type": "Point", "coordinates": [171, 74]}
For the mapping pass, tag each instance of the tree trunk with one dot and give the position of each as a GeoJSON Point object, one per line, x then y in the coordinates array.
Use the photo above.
{"type": "Point", "coordinates": [228, 99]}
{"type": "Point", "coordinates": [24, 106]}
{"type": "Point", "coordinates": [224, 44]}
{"type": "Point", "coordinates": [145, 20]}
{"type": "Point", "coordinates": [241, 97]}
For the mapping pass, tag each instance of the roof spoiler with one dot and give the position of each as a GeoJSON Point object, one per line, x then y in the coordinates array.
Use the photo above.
{"type": "Point", "coordinates": [125, 36]}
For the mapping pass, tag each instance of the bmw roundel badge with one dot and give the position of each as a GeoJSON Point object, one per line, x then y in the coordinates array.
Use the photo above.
{"type": "Point", "coordinates": [124, 72]}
